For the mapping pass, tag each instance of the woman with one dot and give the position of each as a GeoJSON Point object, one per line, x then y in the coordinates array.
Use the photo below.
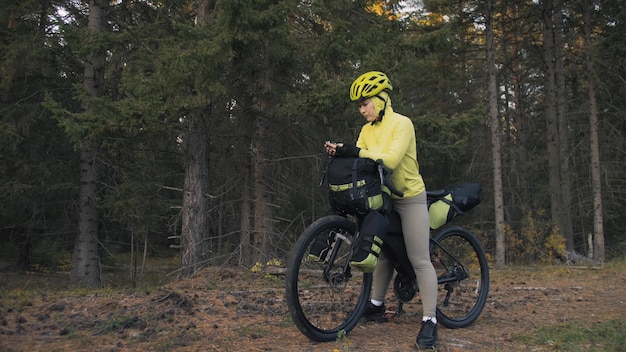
{"type": "Point", "coordinates": [390, 136]}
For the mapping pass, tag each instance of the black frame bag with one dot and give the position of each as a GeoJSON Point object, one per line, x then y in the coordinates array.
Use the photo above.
{"type": "Point", "coordinates": [354, 185]}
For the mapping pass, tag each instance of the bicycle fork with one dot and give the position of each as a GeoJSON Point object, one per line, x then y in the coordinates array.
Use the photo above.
{"type": "Point", "coordinates": [336, 278]}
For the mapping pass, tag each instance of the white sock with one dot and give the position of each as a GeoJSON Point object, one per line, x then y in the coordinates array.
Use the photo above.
{"type": "Point", "coordinates": [433, 319]}
{"type": "Point", "coordinates": [377, 303]}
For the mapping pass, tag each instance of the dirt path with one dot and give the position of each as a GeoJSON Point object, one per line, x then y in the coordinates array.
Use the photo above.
{"type": "Point", "coordinates": [227, 310]}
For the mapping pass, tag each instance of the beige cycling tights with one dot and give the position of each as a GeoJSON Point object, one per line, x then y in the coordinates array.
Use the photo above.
{"type": "Point", "coordinates": [416, 229]}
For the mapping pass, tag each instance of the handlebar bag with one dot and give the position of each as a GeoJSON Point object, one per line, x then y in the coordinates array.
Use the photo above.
{"type": "Point", "coordinates": [353, 185]}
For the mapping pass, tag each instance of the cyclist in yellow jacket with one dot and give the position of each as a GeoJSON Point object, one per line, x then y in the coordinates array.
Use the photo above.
{"type": "Point", "coordinates": [390, 136]}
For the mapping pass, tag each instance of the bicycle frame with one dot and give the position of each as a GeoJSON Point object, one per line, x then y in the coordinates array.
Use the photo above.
{"type": "Point", "coordinates": [325, 297]}
{"type": "Point", "coordinates": [347, 271]}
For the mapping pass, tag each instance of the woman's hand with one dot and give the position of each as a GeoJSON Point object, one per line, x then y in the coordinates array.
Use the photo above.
{"type": "Point", "coordinates": [342, 150]}
{"type": "Point", "coordinates": [331, 148]}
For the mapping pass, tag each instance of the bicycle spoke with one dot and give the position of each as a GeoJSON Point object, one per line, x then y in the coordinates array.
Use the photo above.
{"type": "Point", "coordinates": [323, 294]}
{"type": "Point", "coordinates": [462, 268]}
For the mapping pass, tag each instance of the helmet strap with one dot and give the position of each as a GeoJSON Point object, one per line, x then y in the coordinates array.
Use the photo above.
{"type": "Point", "coordinates": [381, 114]}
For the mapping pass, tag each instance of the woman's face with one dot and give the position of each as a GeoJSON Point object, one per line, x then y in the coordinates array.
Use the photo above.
{"type": "Point", "coordinates": [366, 108]}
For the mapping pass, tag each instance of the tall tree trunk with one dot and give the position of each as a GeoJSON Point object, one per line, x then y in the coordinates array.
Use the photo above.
{"type": "Point", "coordinates": [598, 219]}
{"type": "Point", "coordinates": [263, 214]}
{"type": "Point", "coordinates": [85, 270]}
{"type": "Point", "coordinates": [520, 140]}
{"type": "Point", "coordinates": [565, 214]}
{"type": "Point", "coordinates": [244, 240]}
{"type": "Point", "coordinates": [194, 232]}
{"type": "Point", "coordinates": [518, 112]}
{"type": "Point", "coordinates": [247, 202]}
{"type": "Point", "coordinates": [550, 102]}
{"type": "Point", "coordinates": [495, 139]}
{"type": "Point", "coordinates": [24, 245]}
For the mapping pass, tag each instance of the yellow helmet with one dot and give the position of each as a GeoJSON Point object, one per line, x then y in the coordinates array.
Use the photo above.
{"type": "Point", "coordinates": [368, 85]}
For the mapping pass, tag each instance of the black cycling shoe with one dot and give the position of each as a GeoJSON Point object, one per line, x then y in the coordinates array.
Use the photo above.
{"type": "Point", "coordinates": [375, 313]}
{"type": "Point", "coordinates": [427, 337]}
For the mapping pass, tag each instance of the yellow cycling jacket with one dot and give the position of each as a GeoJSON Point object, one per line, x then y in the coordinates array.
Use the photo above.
{"type": "Point", "coordinates": [393, 141]}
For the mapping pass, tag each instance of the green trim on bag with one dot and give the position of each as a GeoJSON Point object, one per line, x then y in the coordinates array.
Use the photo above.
{"type": "Point", "coordinates": [346, 186]}
{"type": "Point", "coordinates": [353, 185]}
{"type": "Point", "coordinates": [438, 212]}
{"type": "Point", "coordinates": [375, 202]}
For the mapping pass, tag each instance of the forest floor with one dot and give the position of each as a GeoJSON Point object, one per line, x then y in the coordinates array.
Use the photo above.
{"type": "Point", "coordinates": [236, 310]}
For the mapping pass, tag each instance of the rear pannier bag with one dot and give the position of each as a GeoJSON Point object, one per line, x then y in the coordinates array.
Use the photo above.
{"type": "Point", "coordinates": [353, 185]}
{"type": "Point", "coordinates": [457, 199]}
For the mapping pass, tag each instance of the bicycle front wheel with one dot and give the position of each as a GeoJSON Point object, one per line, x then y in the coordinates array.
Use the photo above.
{"type": "Point", "coordinates": [325, 298]}
{"type": "Point", "coordinates": [463, 275]}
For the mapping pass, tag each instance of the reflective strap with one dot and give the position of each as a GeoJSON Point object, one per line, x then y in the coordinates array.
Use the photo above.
{"type": "Point", "coordinates": [346, 186]}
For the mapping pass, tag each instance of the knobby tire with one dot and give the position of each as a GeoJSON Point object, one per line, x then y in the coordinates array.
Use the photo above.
{"type": "Point", "coordinates": [460, 255]}
{"type": "Point", "coordinates": [324, 300]}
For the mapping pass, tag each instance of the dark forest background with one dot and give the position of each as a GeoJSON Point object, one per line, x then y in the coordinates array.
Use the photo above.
{"type": "Point", "coordinates": [193, 130]}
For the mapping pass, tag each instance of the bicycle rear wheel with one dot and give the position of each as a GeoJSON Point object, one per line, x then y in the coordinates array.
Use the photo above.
{"type": "Point", "coordinates": [324, 297]}
{"type": "Point", "coordinates": [463, 275]}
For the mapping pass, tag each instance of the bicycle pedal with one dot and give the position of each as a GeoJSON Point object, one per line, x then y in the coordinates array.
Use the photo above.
{"type": "Point", "coordinates": [390, 314]}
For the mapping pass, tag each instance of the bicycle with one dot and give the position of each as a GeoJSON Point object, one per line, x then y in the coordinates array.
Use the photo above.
{"type": "Point", "coordinates": [326, 298]}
